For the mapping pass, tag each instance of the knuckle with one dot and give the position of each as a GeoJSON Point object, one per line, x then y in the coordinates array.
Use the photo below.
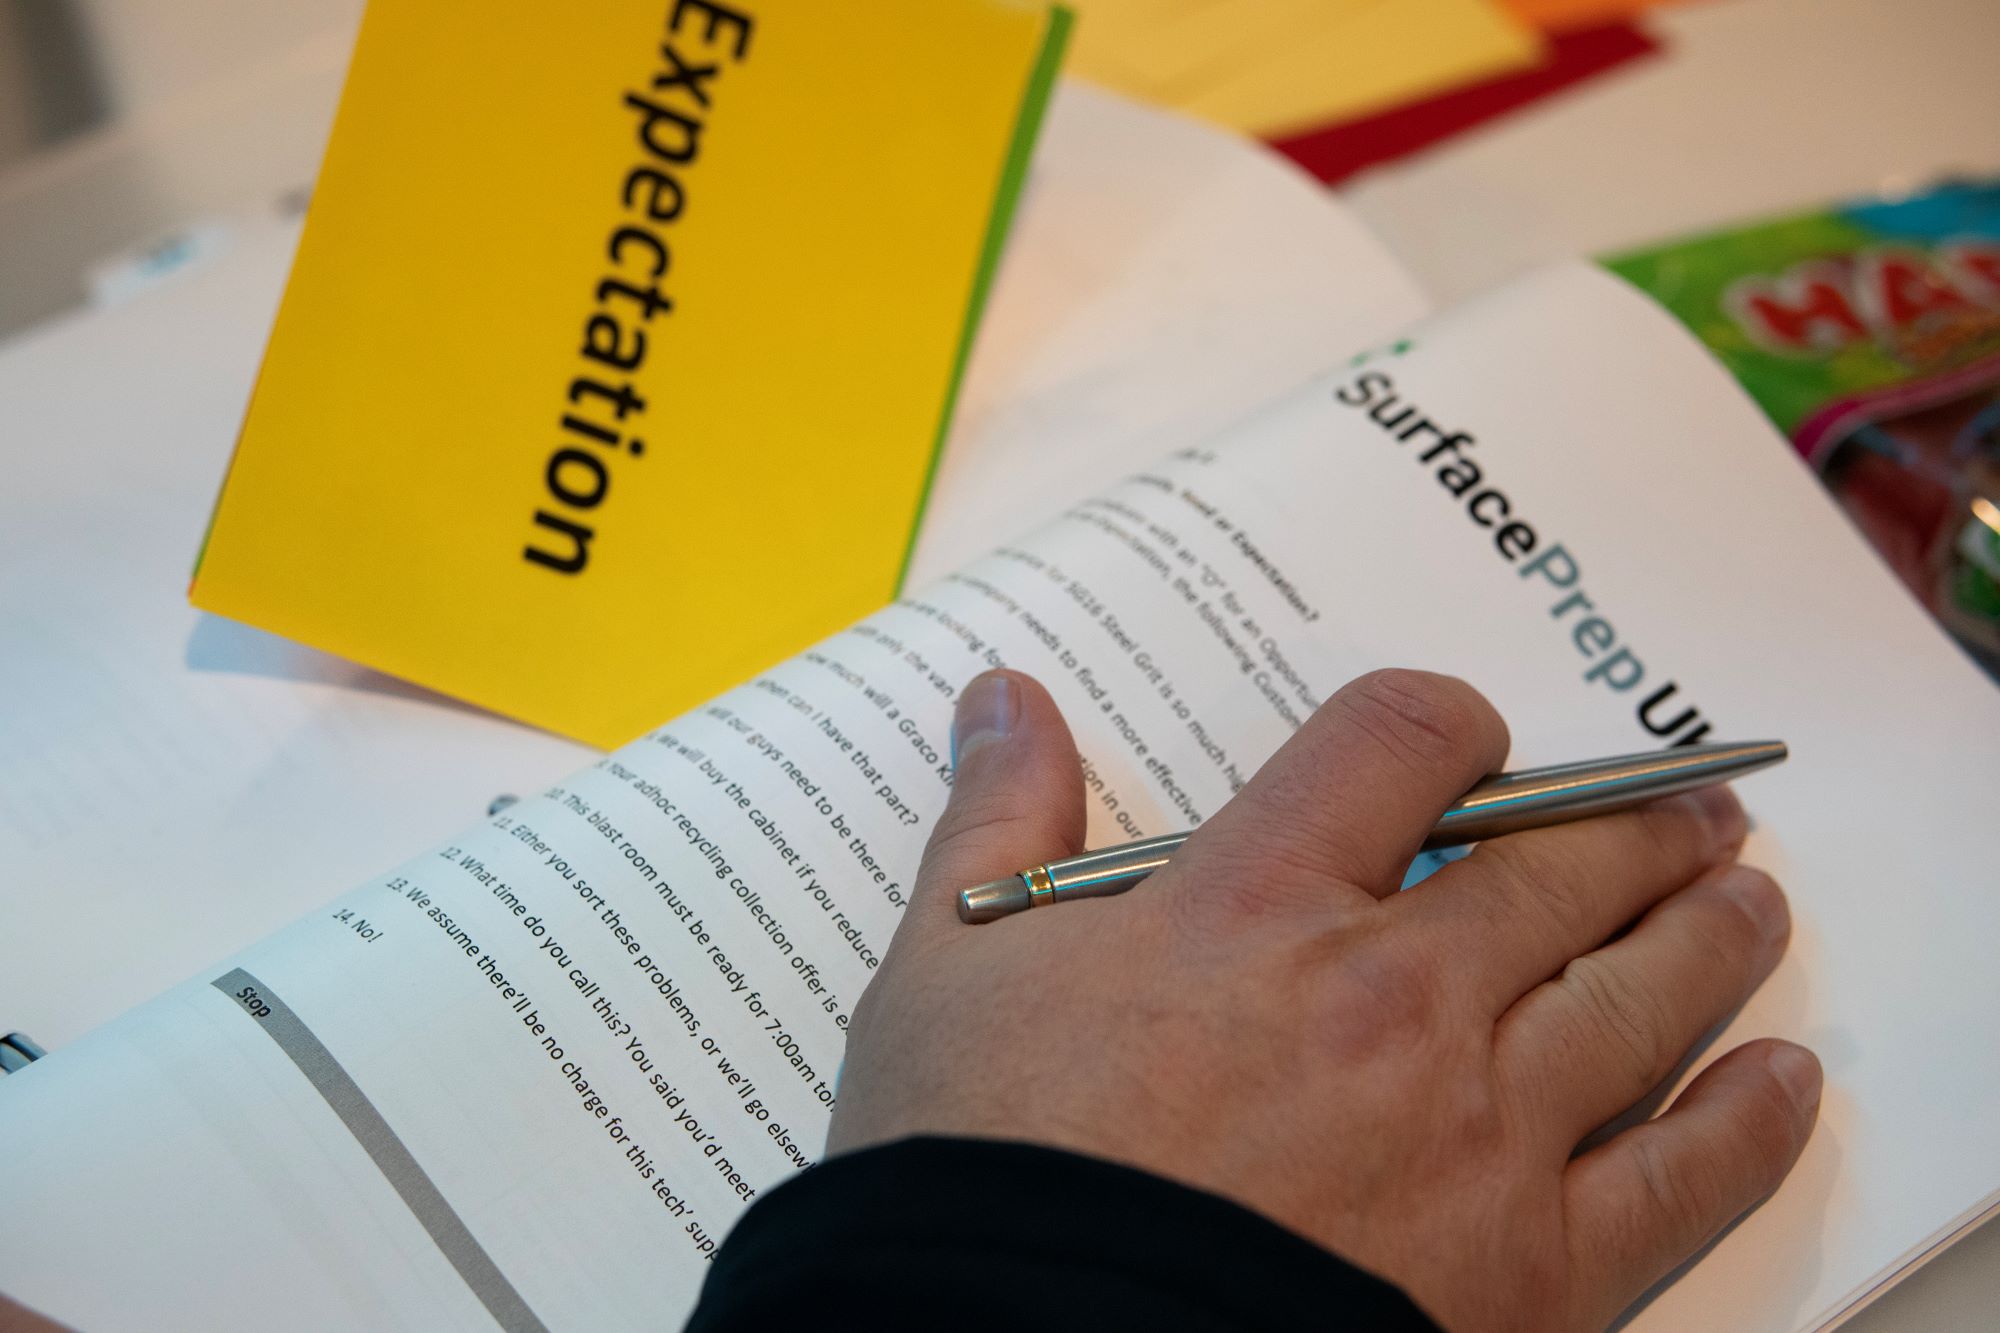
{"type": "Point", "coordinates": [1631, 1016]}
{"type": "Point", "coordinates": [1382, 1001]}
{"type": "Point", "coordinates": [1676, 1196]}
{"type": "Point", "coordinates": [948, 847]}
{"type": "Point", "coordinates": [1672, 833]}
{"type": "Point", "coordinates": [963, 847]}
{"type": "Point", "coordinates": [1415, 714]}
{"type": "Point", "coordinates": [1550, 880]}
{"type": "Point", "coordinates": [1279, 873]}
{"type": "Point", "coordinates": [965, 811]}
{"type": "Point", "coordinates": [1686, 830]}
{"type": "Point", "coordinates": [995, 816]}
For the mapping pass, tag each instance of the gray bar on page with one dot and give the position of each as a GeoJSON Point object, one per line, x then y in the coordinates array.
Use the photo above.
{"type": "Point", "coordinates": [372, 1132]}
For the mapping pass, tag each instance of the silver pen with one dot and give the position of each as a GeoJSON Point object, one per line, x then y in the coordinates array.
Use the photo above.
{"type": "Point", "coordinates": [1504, 803]}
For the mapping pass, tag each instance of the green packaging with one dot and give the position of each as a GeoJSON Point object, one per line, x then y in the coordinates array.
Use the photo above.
{"type": "Point", "coordinates": [1870, 334]}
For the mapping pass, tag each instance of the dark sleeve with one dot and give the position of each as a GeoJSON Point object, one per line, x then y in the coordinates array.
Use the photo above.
{"type": "Point", "coordinates": [972, 1234]}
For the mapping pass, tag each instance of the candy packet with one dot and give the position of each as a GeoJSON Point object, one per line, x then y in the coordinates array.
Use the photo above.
{"type": "Point", "coordinates": [1870, 333]}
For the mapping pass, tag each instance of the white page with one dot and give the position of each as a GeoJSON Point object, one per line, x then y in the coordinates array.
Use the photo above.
{"type": "Point", "coordinates": [1162, 281]}
{"type": "Point", "coordinates": [1714, 556]}
{"type": "Point", "coordinates": [202, 783]}
{"type": "Point", "coordinates": [196, 781]}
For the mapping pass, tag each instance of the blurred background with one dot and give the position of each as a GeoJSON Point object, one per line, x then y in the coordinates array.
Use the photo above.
{"type": "Point", "coordinates": [137, 137]}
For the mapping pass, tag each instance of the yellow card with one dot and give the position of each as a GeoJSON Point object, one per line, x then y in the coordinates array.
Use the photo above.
{"type": "Point", "coordinates": [1354, 62]}
{"type": "Point", "coordinates": [1112, 43]}
{"type": "Point", "coordinates": [1175, 51]}
{"type": "Point", "coordinates": [1274, 67]}
{"type": "Point", "coordinates": [622, 337]}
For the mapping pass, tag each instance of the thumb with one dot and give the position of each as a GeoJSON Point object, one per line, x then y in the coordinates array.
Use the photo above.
{"type": "Point", "coordinates": [1016, 795]}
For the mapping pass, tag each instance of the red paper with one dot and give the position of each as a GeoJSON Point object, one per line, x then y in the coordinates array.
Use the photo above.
{"type": "Point", "coordinates": [1338, 151]}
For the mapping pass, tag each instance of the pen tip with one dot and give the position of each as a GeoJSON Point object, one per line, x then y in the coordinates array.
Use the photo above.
{"type": "Point", "coordinates": [1737, 760]}
{"type": "Point", "coordinates": [991, 901]}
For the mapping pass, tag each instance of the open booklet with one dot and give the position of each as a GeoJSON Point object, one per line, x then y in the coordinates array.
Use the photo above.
{"type": "Point", "coordinates": [1161, 280]}
{"type": "Point", "coordinates": [532, 1076]}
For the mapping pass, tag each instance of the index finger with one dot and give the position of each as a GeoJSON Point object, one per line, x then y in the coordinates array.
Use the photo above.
{"type": "Point", "coordinates": [1349, 799]}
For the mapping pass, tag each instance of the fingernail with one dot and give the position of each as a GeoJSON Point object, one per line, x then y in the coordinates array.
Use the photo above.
{"type": "Point", "coordinates": [988, 710]}
{"type": "Point", "coordinates": [1724, 813]}
{"type": "Point", "coordinates": [1761, 900]}
{"type": "Point", "coordinates": [1798, 1073]}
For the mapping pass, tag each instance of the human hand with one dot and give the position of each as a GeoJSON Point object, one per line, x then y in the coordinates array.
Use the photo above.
{"type": "Point", "coordinates": [1404, 1078]}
